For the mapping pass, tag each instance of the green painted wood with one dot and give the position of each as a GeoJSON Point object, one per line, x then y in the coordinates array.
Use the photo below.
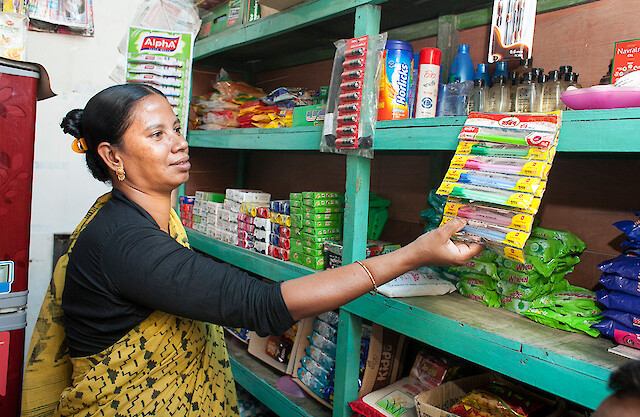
{"type": "Point", "coordinates": [286, 139]}
{"type": "Point", "coordinates": [367, 22]}
{"type": "Point", "coordinates": [527, 351]}
{"type": "Point", "coordinates": [246, 259]}
{"type": "Point", "coordinates": [306, 14]}
{"type": "Point", "coordinates": [447, 42]}
{"type": "Point", "coordinates": [415, 31]}
{"type": "Point", "coordinates": [260, 380]}
{"type": "Point", "coordinates": [601, 131]}
{"type": "Point", "coordinates": [299, 58]}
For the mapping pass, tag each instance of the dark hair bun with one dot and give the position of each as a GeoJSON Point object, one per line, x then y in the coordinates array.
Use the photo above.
{"type": "Point", "coordinates": [72, 123]}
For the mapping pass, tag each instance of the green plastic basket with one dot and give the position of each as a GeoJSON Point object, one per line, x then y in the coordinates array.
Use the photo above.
{"type": "Point", "coordinates": [378, 215]}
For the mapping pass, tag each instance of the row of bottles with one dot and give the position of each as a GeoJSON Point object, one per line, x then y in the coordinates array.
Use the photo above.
{"type": "Point", "coordinates": [522, 92]}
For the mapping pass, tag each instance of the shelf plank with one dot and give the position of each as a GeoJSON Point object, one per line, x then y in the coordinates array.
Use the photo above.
{"type": "Point", "coordinates": [260, 380]}
{"type": "Point", "coordinates": [602, 131]}
{"type": "Point", "coordinates": [520, 348]}
{"type": "Point", "coordinates": [246, 259]}
{"type": "Point", "coordinates": [308, 13]}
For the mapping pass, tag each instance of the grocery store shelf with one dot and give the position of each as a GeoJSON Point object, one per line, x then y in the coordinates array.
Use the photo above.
{"type": "Point", "coordinates": [260, 380]}
{"type": "Point", "coordinates": [605, 131]}
{"type": "Point", "coordinates": [248, 260]}
{"type": "Point", "coordinates": [492, 337]}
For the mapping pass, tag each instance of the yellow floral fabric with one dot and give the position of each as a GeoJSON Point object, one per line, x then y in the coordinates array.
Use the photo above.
{"type": "Point", "coordinates": [165, 366]}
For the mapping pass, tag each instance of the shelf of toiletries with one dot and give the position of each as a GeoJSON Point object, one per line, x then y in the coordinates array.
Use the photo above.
{"type": "Point", "coordinates": [582, 131]}
{"type": "Point", "coordinates": [532, 353]}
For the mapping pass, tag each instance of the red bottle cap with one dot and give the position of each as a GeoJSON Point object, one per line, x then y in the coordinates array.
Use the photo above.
{"type": "Point", "coordinates": [430, 56]}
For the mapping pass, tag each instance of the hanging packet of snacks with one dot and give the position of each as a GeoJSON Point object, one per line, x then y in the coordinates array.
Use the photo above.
{"type": "Point", "coordinates": [13, 35]}
{"type": "Point", "coordinates": [350, 120]}
{"type": "Point", "coordinates": [163, 60]}
{"type": "Point", "coordinates": [497, 177]}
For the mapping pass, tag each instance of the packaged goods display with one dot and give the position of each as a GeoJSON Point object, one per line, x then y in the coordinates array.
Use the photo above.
{"type": "Point", "coordinates": [353, 96]}
{"type": "Point", "coordinates": [512, 26]}
{"type": "Point", "coordinates": [395, 81]}
{"type": "Point", "coordinates": [621, 296]}
{"type": "Point", "coordinates": [499, 195]}
{"type": "Point", "coordinates": [13, 33]}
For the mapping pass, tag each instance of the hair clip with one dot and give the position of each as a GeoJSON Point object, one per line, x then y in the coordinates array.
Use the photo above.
{"type": "Point", "coordinates": [79, 145]}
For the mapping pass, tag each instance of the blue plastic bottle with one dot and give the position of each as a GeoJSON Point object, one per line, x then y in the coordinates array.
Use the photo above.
{"type": "Point", "coordinates": [462, 68]}
{"type": "Point", "coordinates": [501, 69]}
{"type": "Point", "coordinates": [482, 72]}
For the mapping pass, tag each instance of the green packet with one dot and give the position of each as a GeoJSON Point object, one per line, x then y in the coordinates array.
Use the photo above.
{"type": "Point", "coordinates": [514, 290]}
{"type": "Point", "coordinates": [571, 242]}
{"type": "Point", "coordinates": [480, 294]}
{"type": "Point", "coordinates": [557, 320]}
{"type": "Point", "coordinates": [543, 250]}
{"type": "Point", "coordinates": [335, 233]}
{"type": "Point", "coordinates": [487, 255]}
{"type": "Point", "coordinates": [515, 305]}
{"type": "Point", "coordinates": [322, 209]}
{"type": "Point", "coordinates": [478, 280]}
{"type": "Point", "coordinates": [296, 210]}
{"type": "Point", "coordinates": [294, 197]}
{"type": "Point", "coordinates": [295, 245]}
{"type": "Point", "coordinates": [321, 195]}
{"type": "Point", "coordinates": [528, 279]}
{"type": "Point", "coordinates": [312, 252]}
{"type": "Point", "coordinates": [327, 224]}
{"type": "Point", "coordinates": [573, 300]}
{"type": "Point", "coordinates": [533, 265]}
{"type": "Point", "coordinates": [321, 216]}
{"type": "Point", "coordinates": [316, 241]}
{"type": "Point", "coordinates": [295, 204]}
{"type": "Point", "coordinates": [477, 267]}
{"type": "Point", "coordinates": [307, 202]}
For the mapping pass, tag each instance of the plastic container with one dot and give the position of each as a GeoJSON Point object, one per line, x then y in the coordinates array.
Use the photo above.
{"type": "Point", "coordinates": [499, 95]}
{"type": "Point", "coordinates": [427, 86]}
{"type": "Point", "coordinates": [478, 97]}
{"type": "Point", "coordinates": [482, 72]}
{"type": "Point", "coordinates": [501, 70]}
{"type": "Point", "coordinates": [601, 97]}
{"type": "Point", "coordinates": [395, 82]}
{"type": "Point", "coordinates": [462, 68]}
{"type": "Point", "coordinates": [453, 99]}
{"type": "Point", "coordinates": [551, 92]}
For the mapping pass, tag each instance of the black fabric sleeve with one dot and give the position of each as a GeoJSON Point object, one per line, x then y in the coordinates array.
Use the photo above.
{"type": "Point", "coordinates": [148, 267]}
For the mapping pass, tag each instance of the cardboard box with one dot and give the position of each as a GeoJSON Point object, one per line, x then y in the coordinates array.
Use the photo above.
{"type": "Point", "coordinates": [626, 59]}
{"type": "Point", "coordinates": [383, 361]}
{"type": "Point", "coordinates": [258, 344]}
{"type": "Point", "coordinates": [433, 403]}
{"type": "Point", "coordinates": [229, 14]}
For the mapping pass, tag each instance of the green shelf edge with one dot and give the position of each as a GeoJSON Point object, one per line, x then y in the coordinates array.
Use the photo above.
{"type": "Point", "coordinates": [584, 367]}
{"type": "Point", "coordinates": [296, 17]}
{"type": "Point", "coordinates": [600, 131]}
{"type": "Point", "coordinates": [260, 380]}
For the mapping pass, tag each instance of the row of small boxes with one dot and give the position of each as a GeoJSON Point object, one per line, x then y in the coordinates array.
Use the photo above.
{"type": "Point", "coordinates": [316, 216]}
{"type": "Point", "coordinates": [241, 204]}
{"type": "Point", "coordinates": [254, 226]}
{"type": "Point", "coordinates": [279, 241]}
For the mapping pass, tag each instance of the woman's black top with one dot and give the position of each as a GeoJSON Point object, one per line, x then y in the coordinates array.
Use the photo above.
{"type": "Point", "coordinates": [123, 267]}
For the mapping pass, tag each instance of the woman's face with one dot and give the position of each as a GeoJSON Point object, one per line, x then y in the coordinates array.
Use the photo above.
{"type": "Point", "coordinates": [154, 153]}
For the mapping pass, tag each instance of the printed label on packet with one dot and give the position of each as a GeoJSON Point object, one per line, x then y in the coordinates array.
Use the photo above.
{"type": "Point", "coordinates": [520, 200]}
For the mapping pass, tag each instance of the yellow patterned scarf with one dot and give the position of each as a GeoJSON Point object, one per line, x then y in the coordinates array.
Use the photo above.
{"type": "Point", "coordinates": [165, 366]}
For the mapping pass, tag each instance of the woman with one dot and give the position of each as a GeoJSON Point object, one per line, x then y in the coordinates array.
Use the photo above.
{"type": "Point", "coordinates": [137, 305]}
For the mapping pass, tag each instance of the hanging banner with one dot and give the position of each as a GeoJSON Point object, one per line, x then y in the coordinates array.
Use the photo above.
{"type": "Point", "coordinates": [512, 29]}
{"type": "Point", "coordinates": [163, 60]}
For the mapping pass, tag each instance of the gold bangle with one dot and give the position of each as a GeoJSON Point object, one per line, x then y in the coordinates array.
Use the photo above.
{"type": "Point", "coordinates": [373, 281]}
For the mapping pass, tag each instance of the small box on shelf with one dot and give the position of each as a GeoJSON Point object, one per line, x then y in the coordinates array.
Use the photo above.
{"type": "Point", "coordinates": [258, 347]}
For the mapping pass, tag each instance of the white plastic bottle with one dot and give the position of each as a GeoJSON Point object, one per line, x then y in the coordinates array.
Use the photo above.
{"type": "Point", "coordinates": [428, 80]}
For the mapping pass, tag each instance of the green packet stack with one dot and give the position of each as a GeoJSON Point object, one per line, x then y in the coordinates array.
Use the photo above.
{"type": "Point", "coordinates": [316, 216]}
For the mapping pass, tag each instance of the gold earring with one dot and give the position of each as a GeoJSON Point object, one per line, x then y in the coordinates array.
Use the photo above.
{"type": "Point", "coordinates": [120, 174]}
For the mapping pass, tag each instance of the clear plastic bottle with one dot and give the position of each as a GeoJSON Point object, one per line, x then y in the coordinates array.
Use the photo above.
{"type": "Point", "coordinates": [478, 97]}
{"type": "Point", "coordinates": [537, 78]}
{"type": "Point", "coordinates": [527, 95]}
{"type": "Point", "coordinates": [572, 80]}
{"type": "Point", "coordinates": [526, 65]}
{"type": "Point", "coordinates": [515, 80]}
{"type": "Point", "coordinates": [564, 70]}
{"type": "Point", "coordinates": [500, 95]}
{"type": "Point", "coordinates": [551, 92]}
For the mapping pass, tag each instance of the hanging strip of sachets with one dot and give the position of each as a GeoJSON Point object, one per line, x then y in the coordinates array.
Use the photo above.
{"type": "Point", "coordinates": [497, 177]}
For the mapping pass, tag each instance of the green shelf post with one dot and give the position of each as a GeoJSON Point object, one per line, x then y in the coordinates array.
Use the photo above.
{"type": "Point", "coordinates": [367, 22]}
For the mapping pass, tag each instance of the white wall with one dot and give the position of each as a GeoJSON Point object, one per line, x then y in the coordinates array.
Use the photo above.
{"type": "Point", "coordinates": [63, 188]}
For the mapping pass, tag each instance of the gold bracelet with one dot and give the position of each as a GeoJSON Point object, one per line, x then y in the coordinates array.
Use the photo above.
{"type": "Point", "coordinates": [373, 281]}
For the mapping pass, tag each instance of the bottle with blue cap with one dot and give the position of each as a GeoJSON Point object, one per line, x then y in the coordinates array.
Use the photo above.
{"type": "Point", "coordinates": [462, 68]}
{"type": "Point", "coordinates": [501, 70]}
{"type": "Point", "coordinates": [482, 73]}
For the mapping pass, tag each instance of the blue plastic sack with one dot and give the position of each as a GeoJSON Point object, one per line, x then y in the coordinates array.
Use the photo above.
{"type": "Point", "coordinates": [629, 228]}
{"type": "Point", "coordinates": [620, 284]}
{"type": "Point", "coordinates": [618, 332]}
{"type": "Point", "coordinates": [619, 301]}
{"type": "Point", "coordinates": [632, 321]}
{"type": "Point", "coordinates": [623, 265]}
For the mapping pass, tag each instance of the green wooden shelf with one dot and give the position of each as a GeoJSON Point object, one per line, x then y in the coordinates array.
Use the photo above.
{"type": "Point", "coordinates": [260, 380]}
{"type": "Point", "coordinates": [492, 337]}
{"type": "Point", "coordinates": [605, 131]}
